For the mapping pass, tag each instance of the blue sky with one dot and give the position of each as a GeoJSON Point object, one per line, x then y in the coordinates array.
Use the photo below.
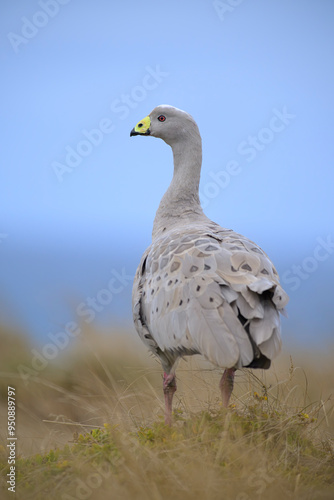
{"type": "Point", "coordinates": [76, 77]}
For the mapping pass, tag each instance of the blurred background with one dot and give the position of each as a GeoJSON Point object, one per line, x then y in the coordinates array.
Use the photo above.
{"type": "Point", "coordinates": [78, 196]}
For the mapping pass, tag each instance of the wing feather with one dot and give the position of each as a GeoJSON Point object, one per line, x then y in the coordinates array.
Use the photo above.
{"type": "Point", "coordinates": [205, 289]}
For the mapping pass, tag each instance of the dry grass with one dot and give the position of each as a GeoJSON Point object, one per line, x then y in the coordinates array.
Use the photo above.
{"type": "Point", "coordinates": [104, 394]}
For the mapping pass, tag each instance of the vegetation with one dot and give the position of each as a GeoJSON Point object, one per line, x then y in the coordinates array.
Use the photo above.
{"type": "Point", "coordinates": [90, 425]}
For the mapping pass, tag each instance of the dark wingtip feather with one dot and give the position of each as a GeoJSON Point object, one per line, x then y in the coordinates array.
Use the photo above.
{"type": "Point", "coordinates": [261, 362]}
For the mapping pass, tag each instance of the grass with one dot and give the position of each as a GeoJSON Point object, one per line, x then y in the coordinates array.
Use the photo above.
{"type": "Point", "coordinates": [90, 425]}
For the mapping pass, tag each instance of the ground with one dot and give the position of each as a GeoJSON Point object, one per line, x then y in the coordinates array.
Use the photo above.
{"type": "Point", "coordinates": [90, 425]}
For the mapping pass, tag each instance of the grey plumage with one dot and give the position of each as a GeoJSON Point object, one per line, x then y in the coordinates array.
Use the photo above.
{"type": "Point", "coordinates": [200, 288]}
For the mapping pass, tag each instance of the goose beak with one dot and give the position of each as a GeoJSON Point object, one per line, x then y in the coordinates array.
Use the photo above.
{"type": "Point", "coordinates": [142, 127]}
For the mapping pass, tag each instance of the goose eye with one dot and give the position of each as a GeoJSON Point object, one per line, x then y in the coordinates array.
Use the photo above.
{"type": "Point", "coordinates": [161, 118]}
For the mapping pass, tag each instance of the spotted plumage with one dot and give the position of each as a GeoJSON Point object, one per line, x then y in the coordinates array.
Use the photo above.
{"type": "Point", "coordinates": [204, 280]}
{"type": "Point", "coordinates": [200, 288]}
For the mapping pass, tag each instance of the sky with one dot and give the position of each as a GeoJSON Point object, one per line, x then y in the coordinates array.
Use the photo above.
{"type": "Point", "coordinates": [78, 196]}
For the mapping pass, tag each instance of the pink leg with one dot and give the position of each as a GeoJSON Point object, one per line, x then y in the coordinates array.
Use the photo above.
{"type": "Point", "coordinates": [169, 385]}
{"type": "Point", "coordinates": [226, 385]}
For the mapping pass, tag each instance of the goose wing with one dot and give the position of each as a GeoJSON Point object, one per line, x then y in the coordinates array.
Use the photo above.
{"type": "Point", "coordinates": [211, 291]}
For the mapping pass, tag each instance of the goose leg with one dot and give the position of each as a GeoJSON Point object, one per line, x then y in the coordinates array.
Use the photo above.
{"type": "Point", "coordinates": [226, 385]}
{"type": "Point", "coordinates": [169, 386]}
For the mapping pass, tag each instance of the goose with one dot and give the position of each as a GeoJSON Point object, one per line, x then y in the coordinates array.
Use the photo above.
{"type": "Point", "coordinates": [200, 288]}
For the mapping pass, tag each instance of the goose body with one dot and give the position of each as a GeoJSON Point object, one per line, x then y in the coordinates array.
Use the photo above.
{"type": "Point", "coordinates": [200, 288]}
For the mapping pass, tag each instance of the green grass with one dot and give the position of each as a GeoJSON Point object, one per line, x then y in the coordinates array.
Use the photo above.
{"type": "Point", "coordinates": [275, 440]}
{"type": "Point", "coordinates": [213, 454]}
